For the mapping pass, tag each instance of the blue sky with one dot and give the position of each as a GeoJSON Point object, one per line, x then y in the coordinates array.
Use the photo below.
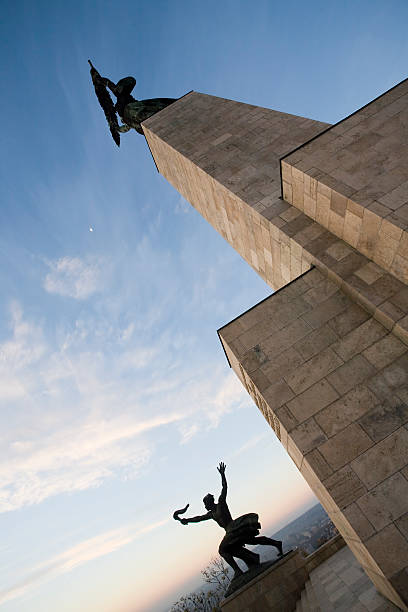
{"type": "Point", "coordinates": [116, 399]}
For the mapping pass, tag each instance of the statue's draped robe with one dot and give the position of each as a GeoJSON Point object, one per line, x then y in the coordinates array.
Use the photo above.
{"type": "Point", "coordinates": [138, 111]}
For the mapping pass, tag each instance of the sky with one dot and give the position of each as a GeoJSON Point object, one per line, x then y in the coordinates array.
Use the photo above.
{"type": "Point", "coordinates": [116, 400]}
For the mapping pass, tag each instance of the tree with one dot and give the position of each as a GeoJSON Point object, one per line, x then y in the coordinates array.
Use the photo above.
{"type": "Point", "coordinates": [217, 575]}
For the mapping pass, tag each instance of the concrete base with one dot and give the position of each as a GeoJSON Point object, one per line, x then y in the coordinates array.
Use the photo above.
{"type": "Point", "coordinates": [275, 590]}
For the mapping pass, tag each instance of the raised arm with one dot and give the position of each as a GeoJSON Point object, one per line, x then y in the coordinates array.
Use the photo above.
{"type": "Point", "coordinates": [221, 469]}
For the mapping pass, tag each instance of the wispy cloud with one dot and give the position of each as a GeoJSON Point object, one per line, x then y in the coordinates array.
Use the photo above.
{"type": "Point", "coordinates": [94, 404]}
{"type": "Point", "coordinates": [80, 554]}
{"type": "Point", "coordinates": [249, 444]}
{"type": "Point", "coordinates": [75, 459]}
{"type": "Point", "coordinates": [230, 395]}
{"type": "Point", "coordinates": [72, 277]}
{"type": "Point", "coordinates": [182, 206]}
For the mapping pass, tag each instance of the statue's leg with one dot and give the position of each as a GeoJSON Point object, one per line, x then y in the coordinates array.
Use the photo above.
{"type": "Point", "coordinates": [265, 541]}
{"type": "Point", "coordinates": [249, 557]}
{"type": "Point", "coordinates": [228, 558]}
{"type": "Point", "coordinates": [232, 563]}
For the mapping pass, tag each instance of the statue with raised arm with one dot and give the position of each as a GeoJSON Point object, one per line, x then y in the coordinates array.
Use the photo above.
{"type": "Point", "coordinates": [132, 112]}
{"type": "Point", "coordinates": [238, 532]}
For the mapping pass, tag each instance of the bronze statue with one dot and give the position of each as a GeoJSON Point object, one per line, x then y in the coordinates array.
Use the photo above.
{"type": "Point", "coordinates": [131, 111]}
{"type": "Point", "coordinates": [239, 532]}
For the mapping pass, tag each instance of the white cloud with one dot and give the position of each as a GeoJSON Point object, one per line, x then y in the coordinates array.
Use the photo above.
{"type": "Point", "coordinates": [188, 432]}
{"type": "Point", "coordinates": [83, 552]}
{"type": "Point", "coordinates": [182, 206]}
{"type": "Point", "coordinates": [73, 277]}
{"type": "Point", "coordinates": [94, 404]}
{"type": "Point", "coordinates": [229, 395]}
{"type": "Point", "coordinates": [23, 349]}
{"type": "Point", "coordinates": [250, 444]}
{"type": "Point", "coordinates": [75, 459]}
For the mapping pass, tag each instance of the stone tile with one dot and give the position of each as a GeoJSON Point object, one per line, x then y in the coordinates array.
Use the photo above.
{"type": "Point", "coordinates": [285, 338]}
{"type": "Point", "coordinates": [352, 228]}
{"type": "Point", "coordinates": [369, 231]}
{"type": "Point", "coordinates": [387, 314]}
{"type": "Point", "coordinates": [322, 209]}
{"type": "Point", "coordinates": [284, 363]}
{"type": "Point", "coordinates": [390, 550]}
{"type": "Point", "coordinates": [286, 418]}
{"type": "Point", "coordinates": [403, 246]}
{"type": "Point", "coordinates": [336, 223]}
{"type": "Point", "coordinates": [313, 370]}
{"type": "Point", "coordinates": [400, 299]}
{"type": "Point", "coordinates": [307, 436]}
{"type": "Point", "coordinates": [290, 214]}
{"type": "Point", "coordinates": [345, 487]}
{"type": "Point", "coordinates": [401, 329]}
{"type": "Point", "coordinates": [253, 359]}
{"type": "Point", "coordinates": [295, 454]}
{"type": "Point", "coordinates": [391, 379]}
{"type": "Point", "coordinates": [315, 342]}
{"type": "Point", "coordinates": [385, 418]}
{"type": "Point", "coordinates": [231, 331]}
{"type": "Point", "coordinates": [388, 456]}
{"type": "Point", "coordinates": [386, 502]}
{"type": "Point", "coordinates": [319, 465]}
{"type": "Point", "coordinates": [359, 338]}
{"type": "Point", "coordinates": [345, 446]}
{"type": "Point", "coordinates": [387, 286]}
{"type": "Point", "coordinates": [339, 250]}
{"type": "Point", "coordinates": [348, 320]}
{"type": "Point", "coordinates": [369, 273]}
{"type": "Point", "coordinates": [260, 380]}
{"type": "Point", "coordinates": [326, 310]}
{"type": "Point", "coordinates": [347, 266]}
{"type": "Point", "coordinates": [314, 278]}
{"type": "Point", "coordinates": [278, 394]}
{"type": "Point", "coordinates": [358, 521]}
{"type": "Point", "coordinates": [402, 524]}
{"type": "Point", "coordinates": [385, 351]}
{"type": "Point", "coordinates": [351, 374]}
{"type": "Point", "coordinates": [312, 400]}
{"type": "Point", "coordinates": [400, 268]}
{"type": "Point", "coordinates": [321, 293]}
{"type": "Point", "coordinates": [346, 410]}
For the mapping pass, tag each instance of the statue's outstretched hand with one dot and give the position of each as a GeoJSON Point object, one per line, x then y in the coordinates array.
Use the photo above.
{"type": "Point", "coordinates": [221, 468]}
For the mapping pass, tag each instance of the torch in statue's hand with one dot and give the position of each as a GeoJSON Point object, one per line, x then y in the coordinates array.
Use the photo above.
{"type": "Point", "coordinates": [178, 512]}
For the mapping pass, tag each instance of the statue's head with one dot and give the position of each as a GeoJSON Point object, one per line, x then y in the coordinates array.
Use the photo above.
{"type": "Point", "coordinates": [209, 501]}
{"type": "Point", "coordinates": [125, 86]}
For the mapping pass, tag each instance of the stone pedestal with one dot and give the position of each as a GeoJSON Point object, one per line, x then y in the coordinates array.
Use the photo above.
{"type": "Point", "coordinates": [275, 590]}
{"type": "Point", "coordinates": [321, 213]}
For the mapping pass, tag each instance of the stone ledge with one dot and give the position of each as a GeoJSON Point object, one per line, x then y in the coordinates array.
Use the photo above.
{"type": "Point", "coordinates": [325, 551]}
{"type": "Point", "coordinates": [275, 590]}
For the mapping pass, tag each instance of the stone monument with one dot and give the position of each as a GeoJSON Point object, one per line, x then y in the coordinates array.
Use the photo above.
{"type": "Point", "coordinates": [321, 213]}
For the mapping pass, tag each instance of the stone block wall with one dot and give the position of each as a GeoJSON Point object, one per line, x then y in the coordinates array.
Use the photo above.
{"type": "Point", "coordinates": [325, 358]}
{"type": "Point", "coordinates": [223, 157]}
{"type": "Point", "coordinates": [353, 180]}
{"type": "Point", "coordinates": [332, 382]}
